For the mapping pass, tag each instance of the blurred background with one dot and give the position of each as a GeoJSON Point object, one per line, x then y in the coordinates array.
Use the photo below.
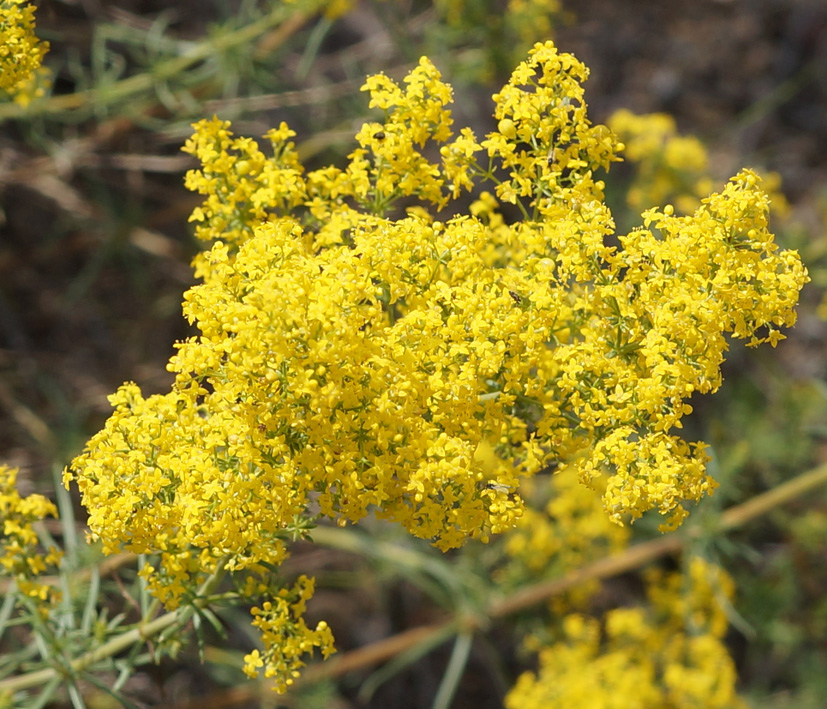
{"type": "Point", "coordinates": [95, 249]}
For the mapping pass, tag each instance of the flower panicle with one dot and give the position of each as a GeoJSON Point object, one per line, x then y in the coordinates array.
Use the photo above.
{"type": "Point", "coordinates": [355, 359]}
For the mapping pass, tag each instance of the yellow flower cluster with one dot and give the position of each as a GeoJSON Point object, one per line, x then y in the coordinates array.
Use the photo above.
{"type": "Point", "coordinates": [285, 635]}
{"type": "Point", "coordinates": [19, 555]}
{"type": "Point", "coordinates": [21, 52]}
{"type": "Point", "coordinates": [352, 362]}
{"type": "Point", "coordinates": [545, 142]}
{"type": "Point", "coordinates": [164, 477]}
{"type": "Point", "coordinates": [243, 187]}
{"type": "Point", "coordinates": [669, 654]}
{"type": "Point", "coordinates": [678, 285]}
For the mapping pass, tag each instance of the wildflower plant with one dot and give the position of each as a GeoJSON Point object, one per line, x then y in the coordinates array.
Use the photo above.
{"type": "Point", "coordinates": [366, 349]}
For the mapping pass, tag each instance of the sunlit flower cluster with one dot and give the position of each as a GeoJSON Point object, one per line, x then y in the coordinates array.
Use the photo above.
{"type": "Point", "coordinates": [21, 556]}
{"type": "Point", "coordinates": [285, 635]}
{"type": "Point", "coordinates": [355, 360]}
{"type": "Point", "coordinates": [545, 142]}
{"type": "Point", "coordinates": [21, 52]}
{"type": "Point", "coordinates": [669, 653]}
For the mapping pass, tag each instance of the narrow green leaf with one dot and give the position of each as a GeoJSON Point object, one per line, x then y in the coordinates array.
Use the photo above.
{"type": "Point", "coordinates": [454, 671]}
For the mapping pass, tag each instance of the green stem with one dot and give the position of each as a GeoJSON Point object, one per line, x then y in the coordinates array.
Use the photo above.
{"type": "Point", "coordinates": [126, 88]}
{"type": "Point", "coordinates": [141, 634]}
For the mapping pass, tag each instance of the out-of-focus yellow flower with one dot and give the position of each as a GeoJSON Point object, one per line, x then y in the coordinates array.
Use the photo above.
{"type": "Point", "coordinates": [671, 168]}
{"type": "Point", "coordinates": [668, 654]}
{"type": "Point", "coordinates": [20, 556]}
